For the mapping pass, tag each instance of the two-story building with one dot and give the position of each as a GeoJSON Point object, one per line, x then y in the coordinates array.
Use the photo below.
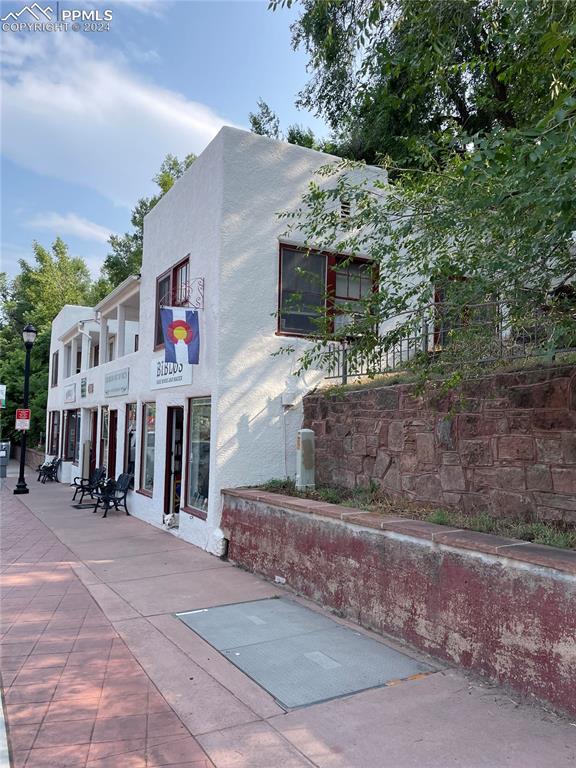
{"type": "Point", "coordinates": [214, 242]}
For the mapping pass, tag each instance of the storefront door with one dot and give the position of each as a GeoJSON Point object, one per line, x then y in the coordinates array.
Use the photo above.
{"type": "Point", "coordinates": [173, 482]}
{"type": "Point", "coordinates": [93, 431]}
{"type": "Point", "coordinates": [113, 433]}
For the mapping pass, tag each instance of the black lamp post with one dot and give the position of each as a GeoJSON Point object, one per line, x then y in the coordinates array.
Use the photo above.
{"type": "Point", "coordinates": [29, 336]}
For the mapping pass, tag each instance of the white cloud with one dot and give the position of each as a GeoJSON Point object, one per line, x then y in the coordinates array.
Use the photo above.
{"type": "Point", "coordinates": [70, 224]}
{"type": "Point", "coordinates": [149, 7]}
{"type": "Point", "coordinates": [77, 113]}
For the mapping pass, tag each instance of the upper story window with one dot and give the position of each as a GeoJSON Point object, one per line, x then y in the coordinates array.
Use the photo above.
{"type": "Point", "coordinates": [172, 290]}
{"type": "Point", "coordinates": [311, 281]}
{"type": "Point", "coordinates": [54, 372]}
{"type": "Point", "coordinates": [67, 361]}
{"type": "Point", "coordinates": [351, 284]}
{"type": "Point", "coordinates": [78, 358]}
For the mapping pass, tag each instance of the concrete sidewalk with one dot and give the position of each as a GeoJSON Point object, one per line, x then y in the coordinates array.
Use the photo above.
{"type": "Point", "coordinates": [88, 620]}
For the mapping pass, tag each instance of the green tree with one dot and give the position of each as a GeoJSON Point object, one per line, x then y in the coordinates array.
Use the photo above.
{"type": "Point", "coordinates": [410, 80]}
{"type": "Point", "coordinates": [126, 256]}
{"type": "Point", "coordinates": [264, 121]}
{"type": "Point", "coordinates": [495, 223]}
{"type": "Point", "coordinates": [36, 295]}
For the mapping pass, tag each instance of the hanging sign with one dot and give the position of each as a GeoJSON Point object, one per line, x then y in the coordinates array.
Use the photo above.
{"type": "Point", "coordinates": [23, 418]}
{"type": "Point", "coordinates": [181, 332]}
{"type": "Point", "coordinates": [2, 395]}
{"type": "Point", "coordinates": [164, 374]}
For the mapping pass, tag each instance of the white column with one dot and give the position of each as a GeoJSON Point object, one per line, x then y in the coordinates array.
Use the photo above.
{"type": "Point", "coordinates": [121, 332]}
{"type": "Point", "coordinates": [85, 352]}
{"type": "Point", "coordinates": [103, 339]}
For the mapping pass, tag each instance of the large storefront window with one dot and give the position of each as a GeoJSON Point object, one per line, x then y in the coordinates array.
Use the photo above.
{"type": "Point", "coordinates": [104, 435]}
{"type": "Point", "coordinates": [148, 443]}
{"type": "Point", "coordinates": [54, 441]}
{"type": "Point", "coordinates": [130, 440]}
{"type": "Point", "coordinates": [72, 437]}
{"type": "Point", "coordinates": [198, 453]}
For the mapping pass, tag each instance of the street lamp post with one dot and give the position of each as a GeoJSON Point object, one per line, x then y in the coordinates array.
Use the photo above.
{"type": "Point", "coordinates": [29, 337]}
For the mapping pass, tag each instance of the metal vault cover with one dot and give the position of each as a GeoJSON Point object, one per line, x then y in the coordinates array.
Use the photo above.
{"type": "Point", "coordinates": [299, 656]}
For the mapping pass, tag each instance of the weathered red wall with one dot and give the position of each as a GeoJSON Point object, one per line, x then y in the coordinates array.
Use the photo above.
{"type": "Point", "coordinates": [514, 622]}
{"type": "Point", "coordinates": [504, 444]}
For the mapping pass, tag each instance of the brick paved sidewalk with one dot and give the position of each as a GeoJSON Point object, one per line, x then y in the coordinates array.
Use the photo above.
{"type": "Point", "coordinates": [101, 672]}
{"type": "Point", "coordinates": [75, 695]}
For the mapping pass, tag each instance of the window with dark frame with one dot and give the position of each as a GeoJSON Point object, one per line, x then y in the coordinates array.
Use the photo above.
{"type": "Point", "coordinates": [311, 280]}
{"type": "Point", "coordinates": [54, 439]}
{"type": "Point", "coordinates": [54, 372]}
{"type": "Point", "coordinates": [172, 289]}
{"type": "Point", "coordinates": [72, 436]}
{"type": "Point", "coordinates": [130, 440]}
{"type": "Point", "coordinates": [148, 443]}
{"type": "Point", "coordinates": [198, 464]}
{"type": "Point", "coordinates": [78, 359]}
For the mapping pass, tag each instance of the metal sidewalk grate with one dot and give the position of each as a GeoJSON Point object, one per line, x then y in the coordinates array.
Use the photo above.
{"type": "Point", "coordinates": [299, 656]}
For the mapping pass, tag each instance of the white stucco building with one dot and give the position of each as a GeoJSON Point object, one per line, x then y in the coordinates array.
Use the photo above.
{"type": "Point", "coordinates": [215, 241]}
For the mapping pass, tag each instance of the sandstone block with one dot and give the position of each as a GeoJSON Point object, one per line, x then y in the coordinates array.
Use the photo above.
{"type": "Point", "coordinates": [516, 447]}
{"type": "Point", "coordinates": [476, 453]}
{"type": "Point", "coordinates": [452, 478]}
{"type": "Point", "coordinates": [425, 448]}
{"type": "Point", "coordinates": [549, 449]}
{"type": "Point", "coordinates": [564, 479]}
{"type": "Point", "coordinates": [509, 504]}
{"type": "Point", "coordinates": [538, 477]}
{"type": "Point", "coordinates": [396, 435]}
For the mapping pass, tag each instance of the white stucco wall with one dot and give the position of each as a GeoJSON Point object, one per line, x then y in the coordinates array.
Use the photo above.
{"type": "Point", "coordinates": [222, 214]}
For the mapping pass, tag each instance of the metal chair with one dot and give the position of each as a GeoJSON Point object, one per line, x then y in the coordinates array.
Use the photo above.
{"type": "Point", "coordinates": [113, 494]}
{"type": "Point", "coordinates": [87, 485]}
{"type": "Point", "coordinates": [43, 467]}
{"type": "Point", "coordinates": [49, 471]}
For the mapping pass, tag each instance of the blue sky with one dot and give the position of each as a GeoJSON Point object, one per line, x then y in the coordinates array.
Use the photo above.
{"type": "Point", "coordinates": [88, 116]}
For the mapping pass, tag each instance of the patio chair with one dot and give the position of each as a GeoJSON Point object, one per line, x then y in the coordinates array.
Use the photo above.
{"type": "Point", "coordinates": [87, 485]}
{"type": "Point", "coordinates": [49, 471]}
{"type": "Point", "coordinates": [113, 494]}
{"type": "Point", "coordinates": [43, 467]}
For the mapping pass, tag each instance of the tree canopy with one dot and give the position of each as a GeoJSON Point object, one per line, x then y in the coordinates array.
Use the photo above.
{"type": "Point", "coordinates": [407, 79]}
{"type": "Point", "coordinates": [44, 285]}
{"type": "Point", "coordinates": [471, 107]}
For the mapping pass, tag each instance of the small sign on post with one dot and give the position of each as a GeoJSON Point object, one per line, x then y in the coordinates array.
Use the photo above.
{"type": "Point", "coordinates": [23, 419]}
{"type": "Point", "coordinates": [2, 395]}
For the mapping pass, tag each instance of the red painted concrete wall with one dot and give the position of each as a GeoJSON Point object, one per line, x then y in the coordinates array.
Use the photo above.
{"type": "Point", "coordinates": [503, 444]}
{"type": "Point", "coordinates": [512, 621]}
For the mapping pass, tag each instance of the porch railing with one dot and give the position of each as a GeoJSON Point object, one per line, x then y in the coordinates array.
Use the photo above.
{"type": "Point", "coordinates": [479, 334]}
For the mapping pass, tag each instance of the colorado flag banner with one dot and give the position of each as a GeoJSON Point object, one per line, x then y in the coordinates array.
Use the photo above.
{"type": "Point", "coordinates": [181, 335]}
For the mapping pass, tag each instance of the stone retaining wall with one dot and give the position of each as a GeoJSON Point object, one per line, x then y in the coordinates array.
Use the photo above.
{"type": "Point", "coordinates": [499, 607]}
{"type": "Point", "coordinates": [504, 444]}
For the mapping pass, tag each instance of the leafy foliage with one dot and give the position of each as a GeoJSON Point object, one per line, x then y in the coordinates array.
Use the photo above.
{"type": "Point", "coordinates": [36, 295]}
{"type": "Point", "coordinates": [470, 107]}
{"type": "Point", "coordinates": [496, 222]}
{"type": "Point", "coordinates": [408, 79]}
{"type": "Point", "coordinates": [264, 122]}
